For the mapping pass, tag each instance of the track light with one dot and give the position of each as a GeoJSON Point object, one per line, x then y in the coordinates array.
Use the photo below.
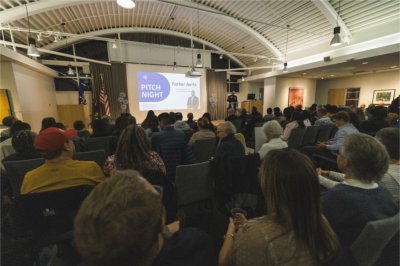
{"type": "Point", "coordinates": [175, 67]}
{"type": "Point", "coordinates": [39, 37]}
{"type": "Point", "coordinates": [114, 45]}
{"type": "Point", "coordinates": [32, 50]}
{"type": "Point", "coordinates": [285, 68]}
{"type": "Point", "coordinates": [336, 40]}
{"type": "Point", "coordinates": [128, 4]}
{"type": "Point", "coordinates": [198, 61]}
{"type": "Point", "coordinates": [221, 56]}
{"type": "Point", "coordinates": [70, 72]}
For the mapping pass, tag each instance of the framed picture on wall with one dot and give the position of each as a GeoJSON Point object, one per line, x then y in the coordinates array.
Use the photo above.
{"type": "Point", "coordinates": [296, 96]}
{"type": "Point", "coordinates": [383, 97]}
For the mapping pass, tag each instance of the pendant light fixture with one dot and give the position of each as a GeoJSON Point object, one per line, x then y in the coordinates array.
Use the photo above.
{"type": "Point", "coordinates": [71, 71]}
{"type": "Point", "coordinates": [127, 4]}
{"type": "Point", "coordinates": [114, 44]}
{"type": "Point", "coordinates": [199, 63]}
{"type": "Point", "coordinates": [175, 66]}
{"type": "Point", "coordinates": [285, 68]}
{"type": "Point", "coordinates": [32, 50]}
{"type": "Point", "coordinates": [336, 40]}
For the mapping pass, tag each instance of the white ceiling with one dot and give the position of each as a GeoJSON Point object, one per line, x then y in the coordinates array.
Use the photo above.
{"type": "Point", "coordinates": [244, 28]}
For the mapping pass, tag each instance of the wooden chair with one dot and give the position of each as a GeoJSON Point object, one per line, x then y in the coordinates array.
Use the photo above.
{"type": "Point", "coordinates": [16, 171]}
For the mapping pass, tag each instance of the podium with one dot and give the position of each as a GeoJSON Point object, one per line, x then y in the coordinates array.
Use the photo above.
{"type": "Point", "coordinates": [248, 105]}
{"type": "Point", "coordinates": [68, 113]}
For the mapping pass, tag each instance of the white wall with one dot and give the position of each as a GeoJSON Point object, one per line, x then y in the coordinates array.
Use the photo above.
{"type": "Point", "coordinates": [248, 87]}
{"type": "Point", "coordinates": [36, 93]}
{"type": "Point", "coordinates": [282, 91]}
{"type": "Point", "coordinates": [269, 94]}
{"type": "Point", "coordinates": [7, 81]}
{"type": "Point", "coordinates": [71, 97]}
{"type": "Point", "coordinates": [367, 83]}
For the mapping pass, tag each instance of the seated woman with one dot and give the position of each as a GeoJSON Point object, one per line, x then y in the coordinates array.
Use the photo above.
{"type": "Point", "coordinates": [204, 131]}
{"type": "Point", "coordinates": [272, 131]}
{"type": "Point", "coordinates": [293, 232]}
{"type": "Point", "coordinates": [134, 152]}
{"type": "Point", "coordinates": [296, 120]}
{"type": "Point", "coordinates": [350, 205]}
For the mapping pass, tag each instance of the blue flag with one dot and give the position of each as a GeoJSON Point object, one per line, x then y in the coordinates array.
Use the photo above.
{"type": "Point", "coordinates": [81, 95]}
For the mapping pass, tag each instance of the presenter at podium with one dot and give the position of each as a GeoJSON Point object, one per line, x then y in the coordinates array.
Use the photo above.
{"type": "Point", "coordinates": [193, 101]}
{"type": "Point", "coordinates": [232, 101]}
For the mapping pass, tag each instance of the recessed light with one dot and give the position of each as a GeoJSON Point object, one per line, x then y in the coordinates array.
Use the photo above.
{"type": "Point", "coordinates": [364, 63]}
{"type": "Point", "coordinates": [393, 67]}
{"type": "Point", "coordinates": [304, 73]}
{"type": "Point", "coordinates": [331, 75]}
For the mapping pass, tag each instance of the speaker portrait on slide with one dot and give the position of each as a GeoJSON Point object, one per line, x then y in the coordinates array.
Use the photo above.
{"type": "Point", "coordinates": [193, 101]}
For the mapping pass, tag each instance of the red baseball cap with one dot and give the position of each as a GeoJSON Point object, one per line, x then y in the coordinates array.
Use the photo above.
{"type": "Point", "coordinates": [52, 139]}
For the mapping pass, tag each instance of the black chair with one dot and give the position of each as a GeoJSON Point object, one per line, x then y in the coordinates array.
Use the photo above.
{"type": "Point", "coordinates": [99, 143]}
{"type": "Point", "coordinates": [310, 135]}
{"type": "Point", "coordinates": [296, 138]}
{"type": "Point", "coordinates": [204, 149]}
{"type": "Point", "coordinates": [16, 170]}
{"type": "Point", "coordinates": [46, 218]}
{"type": "Point", "coordinates": [97, 156]}
{"type": "Point", "coordinates": [324, 133]}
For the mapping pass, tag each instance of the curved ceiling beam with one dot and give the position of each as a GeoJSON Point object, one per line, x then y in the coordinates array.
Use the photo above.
{"type": "Point", "coordinates": [93, 34]}
{"type": "Point", "coordinates": [230, 20]}
{"type": "Point", "coordinates": [19, 12]}
{"type": "Point", "coordinates": [332, 16]}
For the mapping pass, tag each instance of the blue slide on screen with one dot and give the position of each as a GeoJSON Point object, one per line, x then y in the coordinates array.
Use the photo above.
{"type": "Point", "coordinates": [167, 91]}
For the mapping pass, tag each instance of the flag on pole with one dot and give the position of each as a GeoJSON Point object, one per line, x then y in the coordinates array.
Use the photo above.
{"type": "Point", "coordinates": [103, 97]}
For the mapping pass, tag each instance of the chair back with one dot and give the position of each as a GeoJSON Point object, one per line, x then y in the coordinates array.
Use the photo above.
{"type": "Point", "coordinates": [238, 124]}
{"type": "Point", "coordinates": [369, 245]}
{"type": "Point", "coordinates": [97, 156]}
{"type": "Point", "coordinates": [49, 213]}
{"type": "Point", "coordinates": [310, 136]}
{"type": "Point", "coordinates": [204, 149]}
{"type": "Point", "coordinates": [296, 138]}
{"type": "Point", "coordinates": [193, 183]}
{"type": "Point", "coordinates": [259, 137]}
{"type": "Point", "coordinates": [324, 133]}
{"type": "Point", "coordinates": [99, 143]}
{"type": "Point", "coordinates": [16, 171]}
{"type": "Point", "coordinates": [7, 150]}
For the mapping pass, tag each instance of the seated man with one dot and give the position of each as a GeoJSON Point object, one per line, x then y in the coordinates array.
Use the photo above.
{"type": "Point", "coordinates": [359, 199]}
{"type": "Point", "coordinates": [122, 223]}
{"type": "Point", "coordinates": [323, 118]}
{"type": "Point", "coordinates": [59, 171]}
{"type": "Point", "coordinates": [229, 146]}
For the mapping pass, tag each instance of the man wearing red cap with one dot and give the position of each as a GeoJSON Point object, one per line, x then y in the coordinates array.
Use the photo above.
{"type": "Point", "coordinates": [59, 171]}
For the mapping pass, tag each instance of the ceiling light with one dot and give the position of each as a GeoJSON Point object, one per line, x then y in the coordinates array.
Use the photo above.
{"type": "Point", "coordinates": [242, 79]}
{"type": "Point", "coordinates": [128, 4]}
{"type": "Point", "coordinates": [70, 72]}
{"type": "Point", "coordinates": [198, 61]}
{"type": "Point", "coordinates": [39, 37]}
{"type": "Point", "coordinates": [255, 59]}
{"type": "Point", "coordinates": [114, 45]}
{"type": "Point", "coordinates": [304, 73]}
{"type": "Point", "coordinates": [331, 75]}
{"type": "Point", "coordinates": [336, 40]}
{"type": "Point", "coordinates": [32, 50]}
{"type": "Point", "coordinates": [393, 67]}
{"type": "Point", "coordinates": [221, 56]}
{"type": "Point", "coordinates": [364, 63]}
{"type": "Point", "coordinates": [285, 68]}
{"type": "Point", "coordinates": [175, 67]}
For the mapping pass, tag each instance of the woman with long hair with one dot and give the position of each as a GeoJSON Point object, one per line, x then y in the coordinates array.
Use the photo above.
{"type": "Point", "coordinates": [293, 232]}
{"type": "Point", "coordinates": [134, 152]}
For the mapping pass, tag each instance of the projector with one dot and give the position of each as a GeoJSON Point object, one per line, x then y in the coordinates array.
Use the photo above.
{"type": "Point", "coordinates": [193, 73]}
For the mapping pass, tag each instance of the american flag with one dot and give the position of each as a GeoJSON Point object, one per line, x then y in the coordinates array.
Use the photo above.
{"type": "Point", "coordinates": [103, 97]}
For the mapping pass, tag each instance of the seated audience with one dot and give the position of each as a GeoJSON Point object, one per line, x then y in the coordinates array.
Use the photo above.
{"type": "Point", "coordinates": [6, 147]}
{"type": "Point", "coordinates": [359, 199]}
{"type": "Point", "coordinates": [22, 142]}
{"type": "Point", "coordinates": [210, 124]}
{"type": "Point", "coordinates": [293, 232]}
{"type": "Point", "coordinates": [134, 152]}
{"type": "Point", "coordinates": [179, 123]}
{"type": "Point", "coordinates": [121, 223]}
{"type": "Point", "coordinates": [150, 115]}
{"type": "Point", "coordinates": [7, 122]}
{"type": "Point", "coordinates": [122, 122]}
{"type": "Point", "coordinates": [204, 131]}
{"type": "Point", "coordinates": [269, 116]}
{"type": "Point", "coordinates": [153, 126]}
{"type": "Point", "coordinates": [272, 131]}
{"type": "Point", "coordinates": [192, 124]}
{"type": "Point", "coordinates": [48, 122]}
{"type": "Point", "coordinates": [323, 118]}
{"type": "Point", "coordinates": [295, 121]}
{"type": "Point", "coordinates": [231, 115]}
{"type": "Point", "coordinates": [376, 121]}
{"type": "Point", "coordinates": [80, 127]}
{"type": "Point", "coordinates": [101, 128]}
{"type": "Point", "coordinates": [59, 171]}
{"type": "Point", "coordinates": [229, 146]}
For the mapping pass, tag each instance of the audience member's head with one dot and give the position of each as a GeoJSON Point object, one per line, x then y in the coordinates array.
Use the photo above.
{"type": "Point", "coordinates": [48, 122]}
{"type": "Point", "coordinates": [101, 127]}
{"type": "Point", "coordinates": [133, 149]}
{"type": "Point", "coordinates": [321, 112]}
{"type": "Point", "coordinates": [60, 126]}
{"type": "Point", "coordinates": [172, 115]}
{"type": "Point", "coordinates": [153, 124]}
{"type": "Point", "coordinates": [379, 112]}
{"type": "Point", "coordinates": [389, 137]}
{"type": "Point", "coordinates": [190, 116]}
{"type": "Point", "coordinates": [269, 110]}
{"type": "Point", "coordinates": [291, 190]}
{"type": "Point", "coordinates": [231, 111]}
{"type": "Point", "coordinates": [203, 123]}
{"type": "Point", "coordinates": [165, 120]}
{"type": "Point", "coordinates": [122, 122]}
{"type": "Point", "coordinates": [341, 118]}
{"type": "Point", "coordinates": [287, 113]}
{"type": "Point", "coordinates": [18, 126]}
{"type": "Point", "coordinates": [277, 111]}
{"type": "Point", "coordinates": [394, 107]}
{"type": "Point", "coordinates": [225, 129]}
{"type": "Point", "coordinates": [8, 120]}
{"type": "Point", "coordinates": [178, 116]}
{"type": "Point", "coordinates": [272, 130]}
{"type": "Point", "coordinates": [362, 157]}
{"type": "Point", "coordinates": [120, 222]}
{"type": "Point", "coordinates": [22, 141]}
{"type": "Point", "coordinates": [208, 116]}
{"type": "Point", "coordinates": [54, 142]}
{"type": "Point", "coordinates": [79, 125]}
{"type": "Point", "coordinates": [150, 114]}
{"type": "Point", "coordinates": [296, 116]}
{"type": "Point", "coordinates": [313, 107]}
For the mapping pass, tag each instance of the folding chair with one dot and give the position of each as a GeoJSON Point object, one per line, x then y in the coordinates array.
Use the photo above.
{"type": "Point", "coordinates": [99, 143]}
{"type": "Point", "coordinates": [97, 156]}
{"type": "Point", "coordinates": [296, 138]}
{"type": "Point", "coordinates": [310, 135]}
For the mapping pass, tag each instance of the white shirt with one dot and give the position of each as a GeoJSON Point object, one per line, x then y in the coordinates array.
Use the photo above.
{"type": "Point", "coordinates": [273, 144]}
